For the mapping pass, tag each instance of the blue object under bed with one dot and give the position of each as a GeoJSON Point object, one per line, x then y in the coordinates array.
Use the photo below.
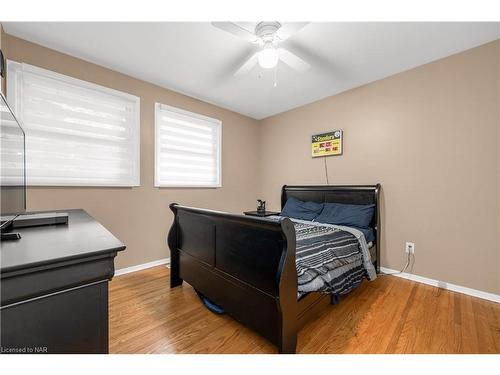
{"type": "Point", "coordinates": [209, 304]}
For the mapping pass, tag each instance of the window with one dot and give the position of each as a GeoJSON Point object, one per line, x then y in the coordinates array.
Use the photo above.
{"type": "Point", "coordinates": [187, 149]}
{"type": "Point", "coordinates": [77, 133]}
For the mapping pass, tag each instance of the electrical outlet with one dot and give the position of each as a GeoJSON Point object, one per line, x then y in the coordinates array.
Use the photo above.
{"type": "Point", "coordinates": [410, 247]}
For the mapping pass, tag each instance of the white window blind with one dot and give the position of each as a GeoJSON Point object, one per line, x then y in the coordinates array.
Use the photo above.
{"type": "Point", "coordinates": [77, 133]}
{"type": "Point", "coordinates": [187, 148]}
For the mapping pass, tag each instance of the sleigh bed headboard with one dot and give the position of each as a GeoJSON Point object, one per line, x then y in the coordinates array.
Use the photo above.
{"type": "Point", "coordinates": [347, 194]}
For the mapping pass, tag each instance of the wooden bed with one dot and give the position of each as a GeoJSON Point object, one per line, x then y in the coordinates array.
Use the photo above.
{"type": "Point", "coordinates": [246, 264]}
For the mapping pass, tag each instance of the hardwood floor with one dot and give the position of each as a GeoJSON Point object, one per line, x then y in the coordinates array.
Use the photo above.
{"type": "Point", "coordinates": [388, 315]}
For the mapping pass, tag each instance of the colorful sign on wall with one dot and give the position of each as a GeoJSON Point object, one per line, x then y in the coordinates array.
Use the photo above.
{"type": "Point", "coordinates": [327, 144]}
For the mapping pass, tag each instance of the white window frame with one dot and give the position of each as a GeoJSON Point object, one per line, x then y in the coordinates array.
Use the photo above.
{"type": "Point", "coordinates": [158, 107]}
{"type": "Point", "coordinates": [14, 87]}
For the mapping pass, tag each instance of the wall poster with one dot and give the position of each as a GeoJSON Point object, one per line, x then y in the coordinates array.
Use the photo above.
{"type": "Point", "coordinates": [326, 144]}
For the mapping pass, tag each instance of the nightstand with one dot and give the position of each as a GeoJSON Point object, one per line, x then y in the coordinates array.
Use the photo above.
{"type": "Point", "coordinates": [261, 214]}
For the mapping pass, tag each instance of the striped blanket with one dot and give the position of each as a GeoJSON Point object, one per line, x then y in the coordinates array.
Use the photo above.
{"type": "Point", "coordinates": [330, 259]}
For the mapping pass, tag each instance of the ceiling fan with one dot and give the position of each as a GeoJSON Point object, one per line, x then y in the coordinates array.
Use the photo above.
{"type": "Point", "coordinates": [268, 35]}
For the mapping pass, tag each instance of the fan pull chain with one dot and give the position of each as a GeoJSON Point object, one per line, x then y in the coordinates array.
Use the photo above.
{"type": "Point", "coordinates": [275, 76]}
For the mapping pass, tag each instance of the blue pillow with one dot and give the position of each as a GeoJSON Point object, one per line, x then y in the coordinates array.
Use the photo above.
{"type": "Point", "coordinates": [350, 215]}
{"type": "Point", "coordinates": [368, 232]}
{"type": "Point", "coordinates": [298, 209]}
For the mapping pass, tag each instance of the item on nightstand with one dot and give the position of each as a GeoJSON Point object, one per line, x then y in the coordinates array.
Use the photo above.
{"type": "Point", "coordinates": [261, 206]}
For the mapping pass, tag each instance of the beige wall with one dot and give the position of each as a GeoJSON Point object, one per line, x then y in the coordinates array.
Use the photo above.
{"type": "Point", "coordinates": [430, 136]}
{"type": "Point", "coordinates": [140, 217]}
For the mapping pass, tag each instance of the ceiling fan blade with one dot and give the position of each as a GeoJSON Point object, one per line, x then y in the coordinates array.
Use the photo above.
{"type": "Point", "coordinates": [288, 29]}
{"type": "Point", "coordinates": [247, 65]}
{"type": "Point", "coordinates": [292, 60]}
{"type": "Point", "coordinates": [236, 30]}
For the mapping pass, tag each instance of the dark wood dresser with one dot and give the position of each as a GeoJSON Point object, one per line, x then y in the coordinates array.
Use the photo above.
{"type": "Point", "coordinates": [54, 287]}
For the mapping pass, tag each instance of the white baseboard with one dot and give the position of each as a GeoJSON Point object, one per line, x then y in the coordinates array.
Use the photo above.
{"type": "Point", "coordinates": [143, 266]}
{"type": "Point", "coordinates": [445, 285]}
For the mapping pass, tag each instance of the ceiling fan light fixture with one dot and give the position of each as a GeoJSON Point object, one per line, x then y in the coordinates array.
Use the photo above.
{"type": "Point", "coordinates": [268, 57]}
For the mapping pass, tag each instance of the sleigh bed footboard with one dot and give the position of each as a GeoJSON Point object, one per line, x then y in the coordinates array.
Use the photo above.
{"type": "Point", "coordinates": [244, 264]}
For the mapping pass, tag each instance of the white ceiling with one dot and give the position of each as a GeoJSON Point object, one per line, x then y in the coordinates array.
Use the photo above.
{"type": "Point", "coordinates": [199, 60]}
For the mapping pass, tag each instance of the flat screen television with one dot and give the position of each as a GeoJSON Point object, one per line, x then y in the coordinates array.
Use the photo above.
{"type": "Point", "coordinates": [12, 166]}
